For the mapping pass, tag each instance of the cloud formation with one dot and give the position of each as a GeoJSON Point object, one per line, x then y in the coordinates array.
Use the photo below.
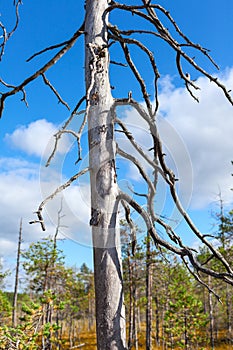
{"type": "Point", "coordinates": [22, 190]}
{"type": "Point", "coordinates": [37, 139]}
{"type": "Point", "coordinates": [206, 129]}
{"type": "Point", "coordinates": [24, 183]}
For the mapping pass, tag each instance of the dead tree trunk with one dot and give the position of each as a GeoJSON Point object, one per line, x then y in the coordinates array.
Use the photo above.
{"type": "Point", "coordinates": [110, 317]}
{"type": "Point", "coordinates": [148, 295]}
{"type": "Point", "coordinates": [131, 303]}
{"type": "Point", "coordinates": [211, 317]}
{"type": "Point", "coordinates": [157, 327]}
{"type": "Point", "coordinates": [14, 312]}
{"type": "Point", "coordinates": [229, 314]}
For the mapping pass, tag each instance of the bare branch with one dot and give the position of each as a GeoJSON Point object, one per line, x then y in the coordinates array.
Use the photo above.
{"type": "Point", "coordinates": [47, 82]}
{"type": "Point", "coordinates": [188, 41]}
{"type": "Point", "coordinates": [116, 36]}
{"type": "Point", "coordinates": [168, 175]}
{"type": "Point", "coordinates": [3, 44]}
{"type": "Point", "coordinates": [137, 164]}
{"type": "Point", "coordinates": [42, 70]}
{"type": "Point", "coordinates": [186, 76]}
{"type": "Point", "coordinates": [6, 84]}
{"type": "Point", "coordinates": [49, 48]}
{"type": "Point", "coordinates": [165, 35]}
{"type": "Point", "coordinates": [119, 63]}
{"type": "Point", "coordinates": [51, 196]}
{"type": "Point", "coordinates": [171, 234]}
{"type": "Point", "coordinates": [24, 98]}
{"type": "Point", "coordinates": [137, 75]}
{"type": "Point", "coordinates": [190, 223]}
{"type": "Point", "coordinates": [197, 277]}
{"type": "Point", "coordinates": [59, 217]}
{"type": "Point", "coordinates": [138, 148]}
{"type": "Point", "coordinates": [6, 36]}
{"type": "Point", "coordinates": [16, 4]}
{"type": "Point", "coordinates": [182, 252]}
{"type": "Point", "coordinates": [64, 127]}
{"type": "Point", "coordinates": [131, 225]}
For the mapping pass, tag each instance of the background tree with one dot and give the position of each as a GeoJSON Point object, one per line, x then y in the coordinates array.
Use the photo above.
{"type": "Point", "coordinates": [184, 319]}
{"type": "Point", "coordinates": [132, 265]}
{"type": "Point", "coordinates": [15, 298]}
{"type": "Point", "coordinates": [225, 235]}
{"type": "Point", "coordinates": [41, 263]}
{"type": "Point", "coordinates": [219, 316]}
{"type": "Point", "coordinates": [101, 115]}
{"type": "Point", "coordinates": [5, 306]}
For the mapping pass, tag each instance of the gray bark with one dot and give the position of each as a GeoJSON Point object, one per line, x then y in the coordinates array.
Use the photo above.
{"type": "Point", "coordinates": [15, 298]}
{"type": "Point", "coordinates": [148, 296]}
{"type": "Point", "coordinates": [110, 316]}
{"type": "Point", "coordinates": [229, 314]}
{"type": "Point", "coordinates": [211, 316]}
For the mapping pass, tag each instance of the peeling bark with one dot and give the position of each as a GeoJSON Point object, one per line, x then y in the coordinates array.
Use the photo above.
{"type": "Point", "coordinates": [110, 316]}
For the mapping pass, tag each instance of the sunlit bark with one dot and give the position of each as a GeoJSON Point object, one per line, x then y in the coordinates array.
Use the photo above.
{"type": "Point", "coordinates": [110, 320]}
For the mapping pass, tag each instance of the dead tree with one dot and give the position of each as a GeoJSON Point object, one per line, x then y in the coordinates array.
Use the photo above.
{"type": "Point", "coordinates": [15, 297]}
{"type": "Point", "coordinates": [101, 116]}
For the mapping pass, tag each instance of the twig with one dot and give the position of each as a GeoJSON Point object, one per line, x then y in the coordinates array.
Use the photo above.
{"type": "Point", "coordinates": [119, 63]}
{"type": "Point", "coordinates": [56, 46]}
{"type": "Point", "coordinates": [63, 128]}
{"type": "Point", "coordinates": [6, 84]}
{"type": "Point", "coordinates": [195, 275]}
{"type": "Point", "coordinates": [47, 82]}
{"type": "Point", "coordinates": [139, 149]}
{"type": "Point", "coordinates": [6, 36]}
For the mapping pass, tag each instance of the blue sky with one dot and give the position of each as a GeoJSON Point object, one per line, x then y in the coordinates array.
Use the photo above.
{"type": "Point", "coordinates": [198, 137]}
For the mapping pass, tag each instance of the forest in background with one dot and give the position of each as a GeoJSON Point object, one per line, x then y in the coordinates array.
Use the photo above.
{"type": "Point", "coordinates": [163, 300]}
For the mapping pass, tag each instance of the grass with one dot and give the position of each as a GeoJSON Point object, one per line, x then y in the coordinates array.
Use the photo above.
{"type": "Point", "coordinates": [88, 339]}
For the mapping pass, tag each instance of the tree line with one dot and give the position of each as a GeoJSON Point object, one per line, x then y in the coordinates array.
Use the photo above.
{"type": "Point", "coordinates": [166, 306]}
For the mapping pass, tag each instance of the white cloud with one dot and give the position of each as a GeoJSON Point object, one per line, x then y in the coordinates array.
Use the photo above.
{"type": "Point", "coordinates": [37, 139]}
{"type": "Point", "coordinates": [206, 129]}
{"type": "Point", "coordinates": [22, 190]}
{"type": "Point", "coordinates": [19, 188]}
{"type": "Point", "coordinates": [25, 184]}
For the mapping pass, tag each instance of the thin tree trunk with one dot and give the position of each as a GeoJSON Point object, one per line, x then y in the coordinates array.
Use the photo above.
{"type": "Point", "coordinates": [14, 312]}
{"type": "Point", "coordinates": [110, 315]}
{"type": "Point", "coordinates": [148, 296]}
{"type": "Point", "coordinates": [211, 317]}
{"type": "Point", "coordinates": [135, 318]}
{"type": "Point", "coordinates": [131, 306]}
{"type": "Point", "coordinates": [133, 336]}
{"type": "Point", "coordinates": [185, 330]}
{"type": "Point", "coordinates": [157, 319]}
{"type": "Point", "coordinates": [229, 314]}
{"type": "Point", "coordinates": [138, 319]}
